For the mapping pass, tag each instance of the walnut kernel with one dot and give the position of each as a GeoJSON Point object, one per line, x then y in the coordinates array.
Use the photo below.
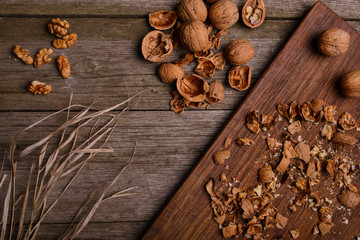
{"type": "Point", "coordinates": [66, 41]}
{"type": "Point", "coordinates": [22, 53]}
{"type": "Point", "coordinates": [43, 56]}
{"type": "Point", "coordinates": [58, 27]}
{"type": "Point", "coordinates": [37, 87]}
{"type": "Point", "coordinates": [221, 156]}
{"type": "Point", "coordinates": [64, 66]}
{"type": "Point", "coordinates": [347, 122]}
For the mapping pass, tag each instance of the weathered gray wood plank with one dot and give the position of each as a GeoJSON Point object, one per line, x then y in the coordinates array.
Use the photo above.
{"type": "Point", "coordinates": [275, 8]}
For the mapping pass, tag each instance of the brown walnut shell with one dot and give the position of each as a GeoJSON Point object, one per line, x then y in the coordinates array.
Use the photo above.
{"type": "Point", "coordinates": [156, 46]}
{"type": "Point", "coordinates": [194, 36]}
{"type": "Point", "coordinates": [163, 20]}
{"type": "Point", "coordinates": [216, 92]}
{"type": "Point", "coordinates": [239, 52]}
{"type": "Point", "coordinates": [240, 78]}
{"type": "Point", "coordinates": [333, 42]}
{"type": "Point", "coordinates": [189, 10]}
{"type": "Point", "coordinates": [253, 13]}
{"type": "Point", "coordinates": [350, 84]}
{"type": "Point", "coordinates": [169, 72]}
{"type": "Point", "coordinates": [192, 88]}
{"type": "Point", "coordinates": [205, 67]}
{"type": "Point", "coordinates": [223, 14]}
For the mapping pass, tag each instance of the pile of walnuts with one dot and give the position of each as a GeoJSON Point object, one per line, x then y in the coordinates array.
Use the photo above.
{"type": "Point", "coordinates": [59, 28]}
{"type": "Point", "coordinates": [191, 31]}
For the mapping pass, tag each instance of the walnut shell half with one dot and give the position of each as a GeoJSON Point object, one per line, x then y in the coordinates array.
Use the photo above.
{"type": "Point", "coordinates": [333, 42]}
{"type": "Point", "coordinates": [163, 20]}
{"type": "Point", "coordinates": [223, 14]}
{"type": "Point", "coordinates": [350, 84]}
{"type": "Point", "coordinates": [253, 13]}
{"type": "Point", "coordinates": [156, 46]}
{"type": "Point", "coordinates": [189, 10]}
{"type": "Point", "coordinates": [216, 92]}
{"type": "Point", "coordinates": [239, 52]}
{"type": "Point", "coordinates": [194, 36]}
{"type": "Point", "coordinates": [240, 78]}
{"type": "Point", "coordinates": [192, 88]}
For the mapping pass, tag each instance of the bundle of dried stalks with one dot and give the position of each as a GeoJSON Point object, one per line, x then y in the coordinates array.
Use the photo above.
{"type": "Point", "coordinates": [67, 157]}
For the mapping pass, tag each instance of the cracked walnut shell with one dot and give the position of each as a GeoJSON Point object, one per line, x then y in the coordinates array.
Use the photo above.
{"type": "Point", "coordinates": [64, 66]}
{"type": "Point", "coordinates": [169, 73]}
{"type": "Point", "coordinates": [189, 10]}
{"type": "Point", "coordinates": [194, 36]}
{"type": "Point", "coordinates": [252, 121]}
{"type": "Point", "coordinates": [253, 13]}
{"type": "Point", "coordinates": [239, 52]}
{"type": "Point", "coordinates": [221, 156]}
{"type": "Point", "coordinates": [163, 20]}
{"type": "Point", "coordinates": [240, 78]}
{"type": "Point", "coordinates": [350, 84]}
{"type": "Point", "coordinates": [156, 46]}
{"type": "Point", "coordinates": [43, 56]}
{"type": "Point", "coordinates": [58, 27]}
{"type": "Point", "coordinates": [216, 92]}
{"type": "Point", "coordinates": [266, 174]}
{"type": "Point", "coordinates": [347, 122]}
{"type": "Point", "coordinates": [205, 67]}
{"type": "Point", "coordinates": [66, 41]}
{"type": "Point", "coordinates": [223, 14]}
{"type": "Point", "coordinates": [37, 87]}
{"type": "Point", "coordinates": [22, 53]}
{"type": "Point", "coordinates": [192, 88]}
{"type": "Point", "coordinates": [333, 42]}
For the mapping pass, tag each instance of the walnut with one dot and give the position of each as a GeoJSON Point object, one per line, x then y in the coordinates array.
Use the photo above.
{"type": "Point", "coordinates": [266, 174]}
{"type": "Point", "coordinates": [240, 77]}
{"type": "Point", "coordinates": [273, 143]}
{"type": "Point", "coordinates": [223, 14]}
{"type": "Point", "coordinates": [333, 42]}
{"type": "Point", "coordinates": [189, 10]}
{"type": "Point", "coordinates": [156, 46]}
{"type": "Point", "coordinates": [193, 88]}
{"type": "Point", "coordinates": [22, 53]}
{"type": "Point", "coordinates": [239, 52]}
{"type": "Point", "coordinates": [162, 20]}
{"type": "Point", "coordinates": [350, 84]}
{"type": "Point", "coordinates": [58, 27]}
{"type": "Point", "coordinates": [230, 230]}
{"type": "Point", "coordinates": [66, 41]}
{"type": "Point", "coordinates": [192, 104]}
{"type": "Point", "coordinates": [43, 56]}
{"type": "Point", "coordinates": [177, 103]}
{"type": "Point", "coordinates": [303, 151]}
{"type": "Point", "coordinates": [252, 121]}
{"type": "Point", "coordinates": [219, 60]}
{"type": "Point", "coordinates": [294, 127]}
{"type": "Point", "coordinates": [343, 138]}
{"type": "Point", "coordinates": [64, 66]}
{"type": "Point", "coordinates": [325, 214]}
{"type": "Point", "coordinates": [327, 131]}
{"type": "Point", "coordinates": [349, 198]}
{"type": "Point", "coordinates": [37, 87]}
{"type": "Point", "coordinates": [307, 112]}
{"type": "Point", "coordinates": [216, 92]}
{"type": "Point", "coordinates": [283, 165]}
{"type": "Point", "coordinates": [205, 67]}
{"type": "Point", "coordinates": [221, 156]}
{"type": "Point", "coordinates": [347, 122]}
{"type": "Point", "coordinates": [281, 221]}
{"type": "Point", "coordinates": [188, 58]}
{"type": "Point", "coordinates": [169, 73]}
{"type": "Point", "coordinates": [194, 36]}
{"type": "Point", "coordinates": [253, 13]}
{"type": "Point", "coordinates": [330, 112]}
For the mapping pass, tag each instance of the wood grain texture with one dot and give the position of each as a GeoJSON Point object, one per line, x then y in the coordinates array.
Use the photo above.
{"type": "Point", "coordinates": [297, 74]}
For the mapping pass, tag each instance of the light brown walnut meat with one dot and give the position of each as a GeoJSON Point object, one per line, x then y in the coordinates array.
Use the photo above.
{"type": "Point", "coordinates": [343, 138]}
{"type": "Point", "coordinates": [330, 112]}
{"type": "Point", "coordinates": [281, 221]}
{"type": "Point", "coordinates": [156, 46]}
{"type": "Point", "coordinates": [324, 228]}
{"type": "Point", "coordinates": [58, 27]}
{"type": "Point", "coordinates": [22, 53]}
{"type": "Point", "coordinates": [347, 122]}
{"type": "Point", "coordinates": [66, 41]}
{"type": "Point", "coordinates": [43, 56]}
{"type": "Point", "coordinates": [230, 230]}
{"type": "Point", "coordinates": [307, 112]}
{"type": "Point", "coordinates": [37, 87]}
{"type": "Point", "coordinates": [240, 78]}
{"type": "Point", "coordinates": [303, 151]}
{"type": "Point", "coordinates": [64, 66]}
{"type": "Point", "coordinates": [244, 141]}
{"type": "Point", "coordinates": [327, 131]}
{"type": "Point", "coordinates": [289, 151]}
{"type": "Point", "coordinates": [273, 143]}
{"type": "Point", "coordinates": [295, 233]}
{"type": "Point", "coordinates": [283, 165]}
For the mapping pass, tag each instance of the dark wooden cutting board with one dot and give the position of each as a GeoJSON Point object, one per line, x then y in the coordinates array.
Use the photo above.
{"type": "Point", "coordinates": [299, 73]}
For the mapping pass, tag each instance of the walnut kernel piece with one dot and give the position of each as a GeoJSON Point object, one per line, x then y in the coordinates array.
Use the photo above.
{"type": "Point", "coordinates": [64, 66]}
{"type": "Point", "coordinates": [343, 138]}
{"type": "Point", "coordinates": [283, 165]}
{"type": "Point", "coordinates": [252, 121]}
{"type": "Point", "coordinates": [330, 112]}
{"type": "Point", "coordinates": [22, 53]}
{"type": "Point", "coordinates": [294, 127]}
{"type": "Point", "coordinates": [223, 14]}
{"type": "Point", "coordinates": [248, 208]}
{"type": "Point", "coordinates": [253, 13]}
{"type": "Point", "coordinates": [228, 142]}
{"type": "Point", "coordinates": [283, 109]}
{"type": "Point", "coordinates": [324, 228]}
{"type": "Point", "coordinates": [295, 233]}
{"type": "Point", "coordinates": [66, 41]}
{"type": "Point", "coordinates": [266, 175]}
{"type": "Point", "coordinates": [216, 92]}
{"type": "Point", "coordinates": [244, 141]}
{"type": "Point", "coordinates": [254, 229]}
{"type": "Point", "coordinates": [156, 46]}
{"type": "Point", "coordinates": [327, 131]}
{"type": "Point", "coordinates": [192, 88]}
{"type": "Point", "coordinates": [162, 20]}
{"type": "Point", "coordinates": [333, 42]}
{"type": "Point", "coordinates": [189, 10]}
{"type": "Point", "coordinates": [273, 143]}
{"type": "Point", "coordinates": [205, 67]}
{"type": "Point", "coordinates": [349, 198]}
{"type": "Point", "coordinates": [37, 87]}
{"type": "Point", "coordinates": [221, 156]}
{"type": "Point", "coordinates": [239, 52]}
{"type": "Point", "coordinates": [177, 103]}
{"type": "Point", "coordinates": [58, 27]}
{"type": "Point", "coordinates": [240, 78]}
{"type": "Point", "coordinates": [219, 60]}
{"type": "Point", "coordinates": [43, 56]}
{"type": "Point", "coordinates": [303, 151]}
{"type": "Point", "coordinates": [347, 122]}
{"type": "Point", "coordinates": [281, 221]}
{"type": "Point", "coordinates": [307, 112]}
{"type": "Point", "coordinates": [325, 214]}
{"type": "Point", "coordinates": [169, 73]}
{"type": "Point", "coordinates": [289, 151]}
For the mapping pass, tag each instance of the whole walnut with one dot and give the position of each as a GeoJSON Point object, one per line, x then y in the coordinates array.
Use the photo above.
{"type": "Point", "coordinates": [333, 42]}
{"type": "Point", "coordinates": [169, 72]}
{"type": "Point", "coordinates": [350, 84]}
{"type": "Point", "coordinates": [194, 36]}
{"type": "Point", "coordinates": [239, 52]}
{"type": "Point", "coordinates": [192, 10]}
{"type": "Point", "coordinates": [223, 14]}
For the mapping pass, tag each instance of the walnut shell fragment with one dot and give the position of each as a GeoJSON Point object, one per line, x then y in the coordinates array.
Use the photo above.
{"type": "Point", "coordinates": [223, 14]}
{"type": "Point", "coordinates": [216, 92]}
{"type": "Point", "coordinates": [254, 229]}
{"type": "Point", "coordinates": [295, 233]}
{"type": "Point", "coordinates": [194, 36]}
{"type": "Point", "coordinates": [294, 127]}
{"type": "Point", "coordinates": [283, 109]}
{"type": "Point", "coordinates": [244, 141]}
{"type": "Point", "coordinates": [281, 221]}
{"type": "Point", "coordinates": [219, 60]}
{"type": "Point", "coordinates": [253, 13]}
{"type": "Point", "coordinates": [266, 174]}
{"type": "Point", "coordinates": [273, 143]}
{"type": "Point", "coordinates": [37, 87]}
{"type": "Point", "coordinates": [163, 20]}
{"type": "Point", "coordinates": [22, 53]}
{"type": "Point", "coordinates": [191, 104]}
{"type": "Point", "coordinates": [333, 42]}
{"type": "Point", "coordinates": [240, 78]}
{"type": "Point", "coordinates": [177, 104]}
{"type": "Point", "coordinates": [43, 56]}
{"type": "Point", "coordinates": [193, 88]}
{"type": "Point", "coordinates": [205, 67]}
{"type": "Point", "coordinates": [325, 214]}
{"type": "Point", "coordinates": [349, 198]}
{"type": "Point", "coordinates": [307, 112]}
{"type": "Point", "coordinates": [324, 228]}
{"type": "Point", "coordinates": [343, 138]}
{"type": "Point", "coordinates": [289, 151]}
{"type": "Point", "coordinates": [283, 165]}
{"type": "Point", "coordinates": [156, 46]}
{"type": "Point", "coordinates": [66, 41]}
{"type": "Point", "coordinates": [347, 122]}
{"type": "Point", "coordinates": [188, 58]}
{"type": "Point", "coordinates": [169, 73]}
{"type": "Point", "coordinates": [221, 156]}
{"type": "Point", "coordinates": [330, 112]}
{"type": "Point", "coordinates": [350, 84]}
{"type": "Point", "coordinates": [327, 131]}
{"type": "Point", "coordinates": [303, 151]}
{"type": "Point", "coordinates": [189, 10]}
{"type": "Point", "coordinates": [64, 66]}
{"type": "Point", "coordinates": [230, 230]}
{"type": "Point", "coordinates": [58, 27]}
{"type": "Point", "coordinates": [252, 121]}
{"type": "Point", "coordinates": [239, 52]}
{"type": "Point", "coordinates": [317, 104]}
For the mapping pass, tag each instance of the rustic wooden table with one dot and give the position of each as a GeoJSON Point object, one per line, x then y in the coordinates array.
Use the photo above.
{"type": "Point", "coordinates": [107, 66]}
